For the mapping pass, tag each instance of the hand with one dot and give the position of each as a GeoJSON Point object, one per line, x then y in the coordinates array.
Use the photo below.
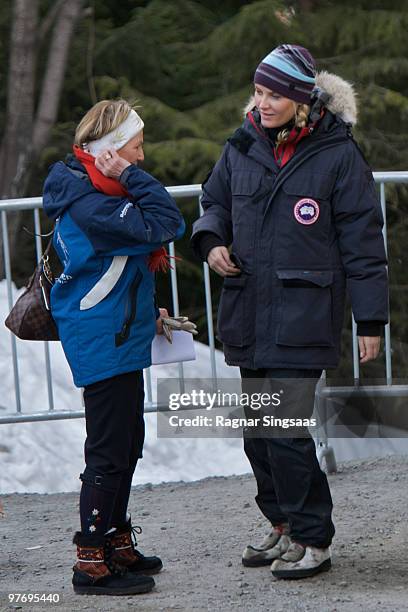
{"type": "Point", "coordinates": [110, 163]}
{"type": "Point", "coordinates": [369, 347]}
{"type": "Point", "coordinates": [219, 260]}
{"type": "Point", "coordinates": [159, 323]}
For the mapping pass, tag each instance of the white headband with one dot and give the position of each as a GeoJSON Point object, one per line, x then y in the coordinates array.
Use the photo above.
{"type": "Point", "coordinates": [117, 138]}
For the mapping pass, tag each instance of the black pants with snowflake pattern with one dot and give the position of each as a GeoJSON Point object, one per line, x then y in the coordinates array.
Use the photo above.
{"type": "Point", "coordinates": [114, 412]}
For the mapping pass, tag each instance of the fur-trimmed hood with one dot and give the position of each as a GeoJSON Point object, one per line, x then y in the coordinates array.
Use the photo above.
{"type": "Point", "coordinates": [342, 96]}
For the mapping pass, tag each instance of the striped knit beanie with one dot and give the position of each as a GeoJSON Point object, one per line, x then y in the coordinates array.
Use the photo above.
{"type": "Point", "coordinates": [288, 70]}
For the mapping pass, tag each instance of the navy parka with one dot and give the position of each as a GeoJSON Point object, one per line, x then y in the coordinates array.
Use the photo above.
{"type": "Point", "coordinates": [301, 235]}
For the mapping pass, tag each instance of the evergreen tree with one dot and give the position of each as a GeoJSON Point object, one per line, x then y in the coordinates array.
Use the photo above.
{"type": "Point", "coordinates": [190, 67]}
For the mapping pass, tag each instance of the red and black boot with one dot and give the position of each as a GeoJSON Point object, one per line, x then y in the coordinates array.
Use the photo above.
{"type": "Point", "coordinates": [96, 573]}
{"type": "Point", "coordinates": [126, 554]}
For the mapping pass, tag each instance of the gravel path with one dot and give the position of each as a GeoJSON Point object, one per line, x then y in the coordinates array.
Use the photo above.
{"type": "Point", "coordinates": [200, 530]}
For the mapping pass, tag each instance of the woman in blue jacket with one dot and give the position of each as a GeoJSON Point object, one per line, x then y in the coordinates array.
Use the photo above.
{"type": "Point", "coordinates": [111, 220]}
{"type": "Point", "coordinates": [291, 217]}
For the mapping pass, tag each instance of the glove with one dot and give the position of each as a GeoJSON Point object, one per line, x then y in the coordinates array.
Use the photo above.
{"type": "Point", "coordinates": [170, 323]}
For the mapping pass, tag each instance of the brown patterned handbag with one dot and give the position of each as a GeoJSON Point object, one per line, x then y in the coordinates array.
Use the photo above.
{"type": "Point", "coordinates": [30, 318]}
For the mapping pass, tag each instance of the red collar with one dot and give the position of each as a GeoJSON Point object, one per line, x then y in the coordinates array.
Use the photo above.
{"type": "Point", "coordinates": [101, 182]}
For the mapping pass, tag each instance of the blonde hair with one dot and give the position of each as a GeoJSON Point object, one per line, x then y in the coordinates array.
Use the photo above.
{"type": "Point", "coordinates": [301, 116]}
{"type": "Point", "coordinates": [101, 119]}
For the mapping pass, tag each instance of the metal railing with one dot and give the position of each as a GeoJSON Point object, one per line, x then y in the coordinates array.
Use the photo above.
{"type": "Point", "coordinates": [182, 191]}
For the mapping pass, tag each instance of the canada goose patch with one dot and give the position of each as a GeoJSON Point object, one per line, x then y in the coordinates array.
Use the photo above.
{"type": "Point", "coordinates": [306, 211]}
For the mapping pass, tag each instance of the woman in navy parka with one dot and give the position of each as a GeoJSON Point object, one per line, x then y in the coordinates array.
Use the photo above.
{"type": "Point", "coordinates": [112, 219]}
{"type": "Point", "coordinates": [291, 218]}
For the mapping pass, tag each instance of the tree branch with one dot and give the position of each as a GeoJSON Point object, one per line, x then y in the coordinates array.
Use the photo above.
{"type": "Point", "coordinates": [49, 19]}
{"type": "Point", "coordinates": [54, 72]}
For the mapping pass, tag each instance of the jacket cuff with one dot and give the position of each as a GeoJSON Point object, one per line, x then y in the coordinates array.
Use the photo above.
{"type": "Point", "coordinates": [205, 242]}
{"type": "Point", "coordinates": [125, 175]}
{"type": "Point", "coordinates": [370, 328]}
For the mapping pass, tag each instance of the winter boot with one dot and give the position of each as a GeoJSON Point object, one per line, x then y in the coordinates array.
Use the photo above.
{"type": "Point", "coordinates": [272, 547]}
{"type": "Point", "coordinates": [126, 555]}
{"type": "Point", "coordinates": [301, 562]}
{"type": "Point", "coordinates": [96, 574]}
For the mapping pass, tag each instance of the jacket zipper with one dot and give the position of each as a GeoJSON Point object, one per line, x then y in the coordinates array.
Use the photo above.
{"type": "Point", "coordinates": [123, 335]}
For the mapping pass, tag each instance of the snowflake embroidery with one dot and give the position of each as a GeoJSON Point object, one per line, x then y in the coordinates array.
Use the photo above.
{"type": "Point", "coordinates": [117, 137]}
{"type": "Point", "coordinates": [93, 520]}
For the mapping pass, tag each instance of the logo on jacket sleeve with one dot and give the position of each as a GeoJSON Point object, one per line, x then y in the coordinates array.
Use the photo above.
{"type": "Point", "coordinates": [125, 209]}
{"type": "Point", "coordinates": [306, 211]}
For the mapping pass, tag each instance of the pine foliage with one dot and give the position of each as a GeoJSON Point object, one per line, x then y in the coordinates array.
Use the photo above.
{"type": "Point", "coordinates": [189, 65]}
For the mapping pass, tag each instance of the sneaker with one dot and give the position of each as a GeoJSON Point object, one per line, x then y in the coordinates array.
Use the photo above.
{"type": "Point", "coordinates": [301, 562]}
{"type": "Point", "coordinates": [272, 547]}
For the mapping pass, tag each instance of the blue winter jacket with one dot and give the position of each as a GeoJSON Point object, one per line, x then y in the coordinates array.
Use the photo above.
{"type": "Point", "coordinates": [103, 302]}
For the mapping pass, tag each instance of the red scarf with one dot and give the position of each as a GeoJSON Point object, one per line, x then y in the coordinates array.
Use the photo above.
{"type": "Point", "coordinates": [158, 259]}
{"type": "Point", "coordinates": [285, 151]}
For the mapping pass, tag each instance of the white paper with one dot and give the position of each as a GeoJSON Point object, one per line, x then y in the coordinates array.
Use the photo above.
{"type": "Point", "coordinates": [181, 349]}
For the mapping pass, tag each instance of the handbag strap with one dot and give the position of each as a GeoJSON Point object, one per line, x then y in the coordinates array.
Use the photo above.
{"type": "Point", "coordinates": [46, 268]}
{"type": "Point", "coordinates": [48, 247]}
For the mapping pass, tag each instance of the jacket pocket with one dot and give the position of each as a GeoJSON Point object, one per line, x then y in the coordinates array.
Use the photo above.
{"type": "Point", "coordinates": [231, 323]}
{"type": "Point", "coordinates": [310, 184]}
{"type": "Point", "coordinates": [245, 182]}
{"type": "Point", "coordinates": [246, 190]}
{"type": "Point", "coordinates": [130, 310]}
{"type": "Point", "coordinates": [305, 317]}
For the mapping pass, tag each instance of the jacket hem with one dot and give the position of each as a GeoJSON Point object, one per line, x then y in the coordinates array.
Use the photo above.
{"type": "Point", "coordinates": [122, 369]}
{"type": "Point", "coordinates": [282, 364]}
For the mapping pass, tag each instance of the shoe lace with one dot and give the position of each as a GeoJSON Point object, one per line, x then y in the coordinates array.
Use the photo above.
{"type": "Point", "coordinates": [135, 530]}
{"type": "Point", "coordinates": [295, 546]}
{"type": "Point", "coordinates": [113, 567]}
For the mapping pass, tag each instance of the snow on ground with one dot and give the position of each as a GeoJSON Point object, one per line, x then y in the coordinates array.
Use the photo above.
{"type": "Point", "coordinates": [47, 457]}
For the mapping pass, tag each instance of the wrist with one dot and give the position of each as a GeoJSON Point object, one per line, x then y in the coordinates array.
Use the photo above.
{"type": "Point", "coordinates": [124, 163]}
{"type": "Point", "coordinates": [124, 175]}
{"type": "Point", "coordinates": [207, 242]}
